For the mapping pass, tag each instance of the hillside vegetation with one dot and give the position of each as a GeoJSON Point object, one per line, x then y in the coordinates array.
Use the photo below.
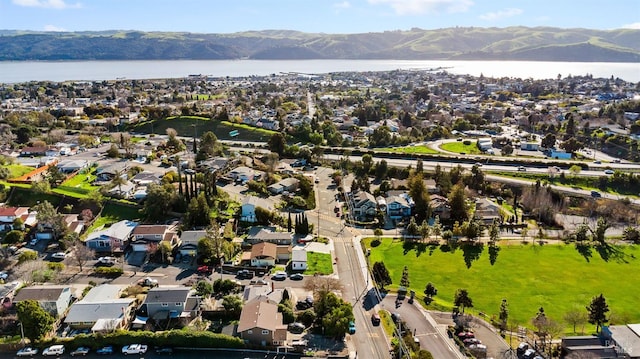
{"type": "Point", "coordinates": [472, 43]}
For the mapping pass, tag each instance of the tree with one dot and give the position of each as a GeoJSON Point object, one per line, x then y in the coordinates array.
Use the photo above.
{"type": "Point", "coordinates": [575, 317]}
{"type": "Point", "coordinates": [420, 196]}
{"type": "Point", "coordinates": [232, 305]}
{"type": "Point", "coordinates": [437, 227]}
{"type": "Point", "coordinates": [571, 145]}
{"type": "Point", "coordinates": [494, 232]}
{"type": "Point", "coordinates": [598, 234]}
{"type": "Point", "coordinates": [575, 170]}
{"type": "Point", "coordinates": [457, 203]}
{"type": "Point", "coordinates": [503, 315]}
{"type": "Point", "coordinates": [381, 169]}
{"type": "Point", "coordinates": [462, 300]}
{"type": "Point", "coordinates": [264, 216]}
{"type": "Point", "coordinates": [336, 315]}
{"type": "Point", "coordinates": [429, 291]}
{"type": "Point", "coordinates": [425, 230]}
{"type": "Point", "coordinates": [549, 141]}
{"type": "Point", "coordinates": [113, 151]}
{"type": "Point", "coordinates": [14, 237]}
{"type": "Point", "coordinates": [631, 234]}
{"type": "Point", "coordinates": [209, 146]}
{"type": "Point", "coordinates": [507, 150]}
{"type": "Point", "coordinates": [80, 253]}
{"type": "Point", "coordinates": [381, 274]}
{"type": "Point", "coordinates": [203, 288]}
{"type": "Point", "coordinates": [160, 200]}
{"type": "Point", "coordinates": [198, 212]}
{"type": "Point", "coordinates": [36, 322]}
{"type": "Point", "coordinates": [55, 176]}
{"type": "Point", "coordinates": [404, 281]}
{"type": "Point", "coordinates": [277, 143]}
{"type": "Point", "coordinates": [597, 310]}
{"type": "Point", "coordinates": [48, 217]}
{"type": "Point", "coordinates": [367, 163]}
{"type": "Point", "coordinates": [173, 143]}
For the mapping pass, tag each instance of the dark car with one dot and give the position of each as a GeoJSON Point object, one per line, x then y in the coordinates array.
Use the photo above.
{"type": "Point", "coordinates": [375, 319]}
{"type": "Point", "coordinates": [296, 276]}
{"type": "Point", "coordinates": [164, 350]}
{"type": "Point", "coordinates": [296, 328]}
{"type": "Point", "coordinates": [105, 350]}
{"type": "Point", "coordinates": [244, 274]}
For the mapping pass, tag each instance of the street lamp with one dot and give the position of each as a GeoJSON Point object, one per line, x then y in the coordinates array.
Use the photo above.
{"type": "Point", "coordinates": [21, 333]}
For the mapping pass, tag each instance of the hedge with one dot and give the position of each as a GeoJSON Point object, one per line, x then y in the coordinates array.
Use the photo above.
{"type": "Point", "coordinates": [109, 271]}
{"type": "Point", "coordinates": [173, 338]}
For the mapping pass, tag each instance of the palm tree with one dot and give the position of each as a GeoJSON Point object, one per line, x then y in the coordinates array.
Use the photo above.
{"type": "Point", "coordinates": [118, 180]}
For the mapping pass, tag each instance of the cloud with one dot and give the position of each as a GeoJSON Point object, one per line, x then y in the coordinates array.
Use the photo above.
{"type": "Point", "coordinates": [497, 15]}
{"type": "Point", "coordinates": [635, 25]}
{"type": "Point", "coordinates": [53, 28]}
{"type": "Point", "coordinates": [49, 4]}
{"type": "Point", "coordinates": [342, 5]}
{"type": "Point", "coordinates": [412, 7]}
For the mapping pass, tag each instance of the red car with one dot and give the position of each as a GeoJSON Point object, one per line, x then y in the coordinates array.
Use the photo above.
{"type": "Point", "coordinates": [206, 270]}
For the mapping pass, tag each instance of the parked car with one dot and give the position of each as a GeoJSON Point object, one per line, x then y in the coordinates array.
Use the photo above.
{"type": "Point", "coordinates": [296, 276]}
{"type": "Point", "coordinates": [148, 282]}
{"type": "Point", "coordinates": [54, 350]}
{"type": "Point", "coordinates": [106, 261]}
{"type": "Point", "coordinates": [134, 349]}
{"type": "Point", "coordinates": [244, 274]}
{"type": "Point", "coordinates": [352, 327]}
{"type": "Point", "coordinates": [164, 350]}
{"type": "Point", "coordinates": [205, 270]}
{"type": "Point", "coordinates": [27, 352]}
{"type": "Point", "coordinates": [105, 350]}
{"type": "Point", "coordinates": [80, 351]}
{"type": "Point", "coordinates": [296, 328]}
{"type": "Point", "coordinates": [4, 275]}
{"type": "Point", "coordinates": [529, 353]}
{"type": "Point", "coordinates": [375, 319]}
{"type": "Point", "coordinates": [395, 317]}
{"type": "Point", "coordinates": [522, 347]}
{"type": "Point", "coordinates": [279, 275]}
{"type": "Point", "coordinates": [59, 256]}
{"type": "Point", "coordinates": [596, 194]}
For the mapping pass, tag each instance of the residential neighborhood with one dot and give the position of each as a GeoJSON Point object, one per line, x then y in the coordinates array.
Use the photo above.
{"type": "Point", "coordinates": [285, 214]}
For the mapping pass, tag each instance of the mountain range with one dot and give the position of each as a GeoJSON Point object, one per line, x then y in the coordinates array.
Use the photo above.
{"type": "Point", "coordinates": [459, 43]}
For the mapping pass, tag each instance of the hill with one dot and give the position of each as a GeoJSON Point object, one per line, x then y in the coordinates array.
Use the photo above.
{"type": "Point", "coordinates": [460, 43]}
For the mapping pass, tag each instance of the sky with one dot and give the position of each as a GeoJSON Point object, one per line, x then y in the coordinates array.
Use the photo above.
{"type": "Point", "coordinates": [315, 16]}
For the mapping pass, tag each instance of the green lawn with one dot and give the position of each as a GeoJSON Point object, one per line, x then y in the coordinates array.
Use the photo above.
{"type": "Point", "coordinates": [113, 213]}
{"type": "Point", "coordinates": [184, 125]}
{"type": "Point", "coordinates": [556, 277]}
{"type": "Point", "coordinates": [81, 180]}
{"type": "Point", "coordinates": [409, 149]}
{"type": "Point", "coordinates": [319, 263]}
{"type": "Point", "coordinates": [17, 170]}
{"type": "Point", "coordinates": [460, 147]}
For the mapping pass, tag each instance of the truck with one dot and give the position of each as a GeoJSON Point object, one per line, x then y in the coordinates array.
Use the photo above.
{"type": "Point", "coordinates": [148, 282]}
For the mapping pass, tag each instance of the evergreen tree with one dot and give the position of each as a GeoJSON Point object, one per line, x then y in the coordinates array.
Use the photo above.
{"type": "Point", "coordinates": [404, 281]}
{"type": "Point", "coordinates": [381, 274]}
{"type": "Point", "coordinates": [462, 299]}
{"type": "Point", "coordinates": [289, 223]}
{"type": "Point", "coordinates": [598, 309]}
{"type": "Point", "coordinates": [504, 314]}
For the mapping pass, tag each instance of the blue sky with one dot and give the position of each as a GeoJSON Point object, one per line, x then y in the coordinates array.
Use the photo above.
{"type": "Point", "coordinates": [328, 16]}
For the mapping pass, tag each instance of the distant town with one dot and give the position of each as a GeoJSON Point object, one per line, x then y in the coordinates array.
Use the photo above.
{"type": "Point", "coordinates": [399, 214]}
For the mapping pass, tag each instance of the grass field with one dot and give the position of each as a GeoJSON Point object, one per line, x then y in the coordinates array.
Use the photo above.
{"type": "Point", "coordinates": [460, 147]}
{"type": "Point", "coordinates": [113, 213]}
{"type": "Point", "coordinates": [82, 180]}
{"type": "Point", "coordinates": [17, 170]}
{"type": "Point", "coordinates": [556, 277]}
{"type": "Point", "coordinates": [318, 263]}
{"type": "Point", "coordinates": [408, 149]}
{"type": "Point", "coordinates": [184, 125]}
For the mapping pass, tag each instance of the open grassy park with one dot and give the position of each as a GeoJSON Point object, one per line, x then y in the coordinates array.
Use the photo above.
{"type": "Point", "coordinates": [460, 147]}
{"type": "Point", "coordinates": [559, 278]}
{"type": "Point", "coordinates": [421, 149]}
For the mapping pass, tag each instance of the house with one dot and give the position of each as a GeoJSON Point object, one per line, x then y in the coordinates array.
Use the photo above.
{"type": "Point", "coordinates": [189, 242]}
{"type": "Point", "coordinates": [299, 258]}
{"type": "Point", "coordinates": [625, 339]}
{"type": "Point", "coordinates": [144, 235]}
{"type": "Point", "coordinates": [54, 299]}
{"type": "Point", "coordinates": [487, 211]}
{"type": "Point", "coordinates": [124, 190]}
{"type": "Point", "coordinates": [398, 207]}
{"type": "Point", "coordinates": [264, 254]}
{"type": "Point", "coordinates": [170, 303]}
{"type": "Point", "coordinates": [529, 146]}
{"type": "Point", "coordinates": [242, 174]}
{"type": "Point", "coordinates": [268, 234]}
{"type": "Point", "coordinates": [364, 205]}
{"type": "Point", "coordinates": [70, 166]}
{"type": "Point", "coordinates": [588, 346]}
{"type": "Point", "coordinates": [145, 178]}
{"type": "Point", "coordinates": [9, 214]}
{"type": "Point", "coordinates": [73, 224]}
{"type": "Point", "coordinates": [112, 239]}
{"type": "Point", "coordinates": [33, 151]}
{"type": "Point", "coordinates": [101, 310]}
{"type": "Point", "coordinates": [216, 164]}
{"type": "Point", "coordinates": [261, 324]}
{"type": "Point", "coordinates": [484, 144]}
{"type": "Point", "coordinates": [249, 205]}
{"type": "Point", "coordinates": [286, 185]}
{"type": "Point", "coordinates": [440, 206]}
{"type": "Point", "coordinates": [106, 173]}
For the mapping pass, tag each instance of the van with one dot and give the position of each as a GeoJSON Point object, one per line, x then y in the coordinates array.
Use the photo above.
{"type": "Point", "coordinates": [54, 350]}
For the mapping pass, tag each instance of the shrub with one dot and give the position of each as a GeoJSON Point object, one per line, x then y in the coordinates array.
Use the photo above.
{"type": "Point", "coordinates": [109, 271]}
{"type": "Point", "coordinates": [175, 338]}
{"type": "Point", "coordinates": [55, 266]}
{"type": "Point", "coordinates": [466, 142]}
{"type": "Point", "coordinates": [14, 236]}
{"type": "Point", "coordinates": [27, 255]}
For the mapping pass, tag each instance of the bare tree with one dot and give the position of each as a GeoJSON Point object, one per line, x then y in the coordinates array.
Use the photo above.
{"type": "Point", "coordinates": [80, 254]}
{"type": "Point", "coordinates": [576, 317]}
{"type": "Point", "coordinates": [322, 285]}
{"type": "Point", "coordinates": [29, 271]}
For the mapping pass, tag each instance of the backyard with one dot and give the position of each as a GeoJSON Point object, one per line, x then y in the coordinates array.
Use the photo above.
{"type": "Point", "coordinates": [318, 263]}
{"type": "Point", "coordinates": [559, 278]}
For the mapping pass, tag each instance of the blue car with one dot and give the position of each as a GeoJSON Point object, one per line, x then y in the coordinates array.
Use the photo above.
{"type": "Point", "coordinates": [105, 350]}
{"type": "Point", "coordinates": [352, 327]}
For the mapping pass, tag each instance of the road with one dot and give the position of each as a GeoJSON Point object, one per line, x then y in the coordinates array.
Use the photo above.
{"type": "Point", "coordinates": [432, 336]}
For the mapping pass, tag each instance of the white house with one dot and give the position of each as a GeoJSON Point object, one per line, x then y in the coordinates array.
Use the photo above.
{"type": "Point", "coordinates": [299, 258]}
{"type": "Point", "coordinates": [249, 205]}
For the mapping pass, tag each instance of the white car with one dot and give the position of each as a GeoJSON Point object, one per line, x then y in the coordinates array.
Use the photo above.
{"type": "Point", "coordinates": [280, 275]}
{"type": "Point", "coordinates": [59, 255]}
{"type": "Point", "coordinates": [106, 261]}
{"type": "Point", "coordinates": [608, 172]}
{"type": "Point", "coordinates": [54, 350]}
{"type": "Point", "coordinates": [4, 275]}
{"type": "Point", "coordinates": [27, 352]}
{"type": "Point", "coordinates": [134, 349]}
